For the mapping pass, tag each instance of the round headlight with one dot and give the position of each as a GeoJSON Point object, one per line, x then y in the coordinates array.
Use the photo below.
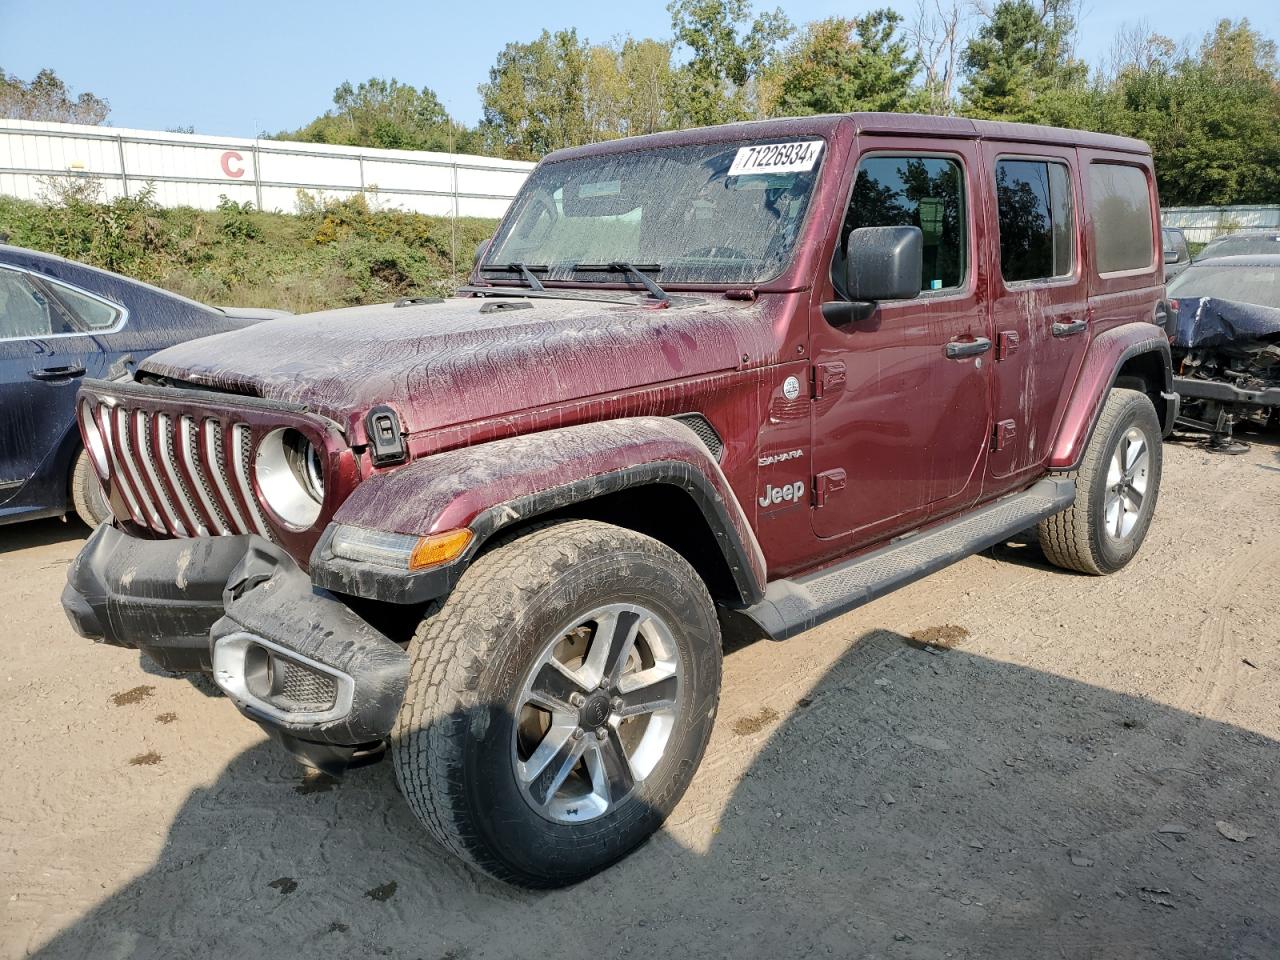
{"type": "Point", "coordinates": [290, 472]}
{"type": "Point", "coordinates": [93, 441]}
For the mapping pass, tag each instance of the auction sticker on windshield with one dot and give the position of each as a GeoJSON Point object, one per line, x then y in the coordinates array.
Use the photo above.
{"type": "Point", "coordinates": [776, 158]}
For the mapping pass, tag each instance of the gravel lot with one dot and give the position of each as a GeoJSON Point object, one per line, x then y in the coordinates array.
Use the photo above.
{"type": "Point", "coordinates": [1073, 778]}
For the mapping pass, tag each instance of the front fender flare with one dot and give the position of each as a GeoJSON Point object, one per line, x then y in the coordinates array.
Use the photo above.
{"type": "Point", "coordinates": [493, 485]}
{"type": "Point", "coordinates": [1108, 352]}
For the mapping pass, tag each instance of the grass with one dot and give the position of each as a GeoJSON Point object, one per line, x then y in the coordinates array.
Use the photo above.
{"type": "Point", "coordinates": [329, 254]}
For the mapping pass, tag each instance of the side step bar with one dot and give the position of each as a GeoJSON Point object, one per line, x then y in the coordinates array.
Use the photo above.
{"type": "Point", "coordinates": [793, 606]}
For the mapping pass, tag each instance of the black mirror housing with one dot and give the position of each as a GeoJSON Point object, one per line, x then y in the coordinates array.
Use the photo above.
{"type": "Point", "coordinates": [884, 263]}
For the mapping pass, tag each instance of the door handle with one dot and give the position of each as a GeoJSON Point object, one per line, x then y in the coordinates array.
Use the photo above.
{"type": "Point", "coordinates": [1069, 328]}
{"type": "Point", "coordinates": [959, 349]}
{"type": "Point", "coordinates": [56, 373]}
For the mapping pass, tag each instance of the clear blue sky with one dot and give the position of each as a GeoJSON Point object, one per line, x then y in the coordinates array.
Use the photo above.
{"type": "Point", "coordinates": [235, 68]}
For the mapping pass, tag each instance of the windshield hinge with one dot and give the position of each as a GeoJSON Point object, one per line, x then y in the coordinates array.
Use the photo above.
{"type": "Point", "coordinates": [748, 294]}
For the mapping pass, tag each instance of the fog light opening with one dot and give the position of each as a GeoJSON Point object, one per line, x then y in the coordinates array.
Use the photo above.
{"type": "Point", "coordinates": [258, 671]}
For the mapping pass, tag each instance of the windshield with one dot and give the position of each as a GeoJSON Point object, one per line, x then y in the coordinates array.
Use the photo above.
{"type": "Point", "coordinates": [1256, 284]}
{"type": "Point", "coordinates": [727, 212]}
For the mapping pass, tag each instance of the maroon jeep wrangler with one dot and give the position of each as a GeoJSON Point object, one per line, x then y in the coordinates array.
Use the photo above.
{"type": "Point", "coordinates": [747, 377]}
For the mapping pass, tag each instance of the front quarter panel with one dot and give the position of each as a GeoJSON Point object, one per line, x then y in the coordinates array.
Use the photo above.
{"type": "Point", "coordinates": [494, 485]}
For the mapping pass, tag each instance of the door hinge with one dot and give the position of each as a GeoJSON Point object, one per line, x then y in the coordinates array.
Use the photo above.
{"type": "Point", "coordinates": [1006, 344]}
{"type": "Point", "coordinates": [1005, 431]}
{"type": "Point", "coordinates": [827, 483]}
{"type": "Point", "coordinates": [827, 378]}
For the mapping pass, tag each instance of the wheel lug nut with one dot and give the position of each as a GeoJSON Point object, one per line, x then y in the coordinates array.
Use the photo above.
{"type": "Point", "coordinates": [601, 733]}
{"type": "Point", "coordinates": [577, 733]}
{"type": "Point", "coordinates": [576, 699]}
{"type": "Point", "coordinates": [617, 703]}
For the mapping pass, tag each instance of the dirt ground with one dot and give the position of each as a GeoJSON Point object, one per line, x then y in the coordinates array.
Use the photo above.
{"type": "Point", "coordinates": [1054, 766]}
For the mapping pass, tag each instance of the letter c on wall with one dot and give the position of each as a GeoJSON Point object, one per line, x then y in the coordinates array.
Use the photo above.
{"type": "Point", "coordinates": [228, 158]}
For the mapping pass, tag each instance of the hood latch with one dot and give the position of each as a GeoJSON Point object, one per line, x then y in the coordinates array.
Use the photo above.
{"type": "Point", "coordinates": [386, 441]}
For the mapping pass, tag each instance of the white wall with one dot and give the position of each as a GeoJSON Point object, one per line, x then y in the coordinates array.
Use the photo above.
{"type": "Point", "coordinates": [194, 170]}
{"type": "Point", "coordinates": [1202, 224]}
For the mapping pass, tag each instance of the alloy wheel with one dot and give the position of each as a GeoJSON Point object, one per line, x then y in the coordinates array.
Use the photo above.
{"type": "Point", "coordinates": [596, 712]}
{"type": "Point", "coordinates": [1127, 477]}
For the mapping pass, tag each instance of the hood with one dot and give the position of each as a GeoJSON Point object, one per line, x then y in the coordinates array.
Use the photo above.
{"type": "Point", "coordinates": [467, 359]}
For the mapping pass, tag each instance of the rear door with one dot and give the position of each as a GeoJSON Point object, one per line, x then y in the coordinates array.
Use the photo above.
{"type": "Point", "coordinates": [900, 425]}
{"type": "Point", "coordinates": [1039, 301]}
{"type": "Point", "coordinates": [48, 342]}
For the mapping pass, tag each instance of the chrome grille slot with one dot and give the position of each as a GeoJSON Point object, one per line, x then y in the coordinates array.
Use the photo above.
{"type": "Point", "coordinates": [215, 457]}
{"type": "Point", "coordinates": [241, 450]}
{"type": "Point", "coordinates": [144, 442]}
{"type": "Point", "coordinates": [169, 460]}
{"type": "Point", "coordinates": [124, 437]}
{"type": "Point", "coordinates": [189, 448]}
{"type": "Point", "coordinates": [106, 424]}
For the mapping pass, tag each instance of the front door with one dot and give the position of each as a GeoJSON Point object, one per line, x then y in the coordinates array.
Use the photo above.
{"type": "Point", "coordinates": [45, 349]}
{"type": "Point", "coordinates": [1039, 302]}
{"type": "Point", "coordinates": [902, 402]}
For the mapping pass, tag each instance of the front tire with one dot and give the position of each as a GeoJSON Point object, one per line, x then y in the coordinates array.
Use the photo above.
{"type": "Point", "coordinates": [1117, 485]}
{"type": "Point", "coordinates": [559, 702]}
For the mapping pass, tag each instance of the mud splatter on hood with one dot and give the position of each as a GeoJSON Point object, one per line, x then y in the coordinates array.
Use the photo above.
{"type": "Point", "coordinates": [448, 363]}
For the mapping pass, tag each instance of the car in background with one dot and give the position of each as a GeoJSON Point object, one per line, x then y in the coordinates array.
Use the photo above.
{"type": "Point", "coordinates": [1260, 240]}
{"type": "Point", "coordinates": [61, 321]}
{"type": "Point", "coordinates": [1177, 255]}
{"type": "Point", "coordinates": [1226, 344]}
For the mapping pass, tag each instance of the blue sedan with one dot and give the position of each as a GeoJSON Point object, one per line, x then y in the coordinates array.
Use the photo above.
{"type": "Point", "coordinates": [60, 321]}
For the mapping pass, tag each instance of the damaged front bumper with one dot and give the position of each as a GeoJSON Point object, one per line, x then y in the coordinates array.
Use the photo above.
{"type": "Point", "coordinates": [292, 657]}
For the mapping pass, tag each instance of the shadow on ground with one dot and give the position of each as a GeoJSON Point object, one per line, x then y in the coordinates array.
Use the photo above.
{"type": "Point", "coordinates": [39, 533]}
{"type": "Point", "coordinates": [917, 804]}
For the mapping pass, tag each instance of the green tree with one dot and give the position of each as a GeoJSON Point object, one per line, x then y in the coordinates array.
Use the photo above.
{"type": "Point", "coordinates": [1212, 118]}
{"type": "Point", "coordinates": [536, 97]}
{"type": "Point", "coordinates": [729, 49]}
{"type": "Point", "coordinates": [1020, 64]}
{"type": "Point", "coordinates": [840, 65]}
{"type": "Point", "coordinates": [627, 88]}
{"type": "Point", "coordinates": [386, 114]}
{"type": "Point", "coordinates": [46, 97]}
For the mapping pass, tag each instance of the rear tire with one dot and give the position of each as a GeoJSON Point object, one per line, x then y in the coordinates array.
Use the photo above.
{"type": "Point", "coordinates": [87, 495]}
{"type": "Point", "coordinates": [1117, 485]}
{"type": "Point", "coordinates": [621, 726]}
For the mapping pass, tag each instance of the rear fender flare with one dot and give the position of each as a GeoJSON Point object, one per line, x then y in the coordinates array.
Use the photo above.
{"type": "Point", "coordinates": [1108, 353]}
{"type": "Point", "coordinates": [494, 485]}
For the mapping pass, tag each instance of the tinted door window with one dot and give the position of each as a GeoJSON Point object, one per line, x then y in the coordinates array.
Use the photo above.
{"type": "Point", "coordinates": [25, 310]}
{"type": "Point", "coordinates": [1120, 208]}
{"type": "Point", "coordinates": [924, 192]}
{"type": "Point", "coordinates": [1036, 226]}
{"type": "Point", "coordinates": [90, 314]}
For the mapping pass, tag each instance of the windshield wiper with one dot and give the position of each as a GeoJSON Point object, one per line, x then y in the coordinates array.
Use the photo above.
{"type": "Point", "coordinates": [523, 269]}
{"type": "Point", "coordinates": [621, 266]}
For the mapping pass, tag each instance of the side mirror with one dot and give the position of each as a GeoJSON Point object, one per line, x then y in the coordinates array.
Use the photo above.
{"type": "Point", "coordinates": [881, 263]}
{"type": "Point", "coordinates": [1171, 256]}
{"type": "Point", "coordinates": [481, 249]}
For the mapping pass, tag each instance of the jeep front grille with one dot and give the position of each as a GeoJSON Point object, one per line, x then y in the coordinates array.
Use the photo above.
{"type": "Point", "coordinates": [182, 475]}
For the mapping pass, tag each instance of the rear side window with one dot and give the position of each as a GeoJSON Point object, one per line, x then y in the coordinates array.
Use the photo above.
{"type": "Point", "coordinates": [924, 192]}
{"type": "Point", "coordinates": [1036, 224]}
{"type": "Point", "coordinates": [91, 314]}
{"type": "Point", "coordinates": [1120, 208]}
